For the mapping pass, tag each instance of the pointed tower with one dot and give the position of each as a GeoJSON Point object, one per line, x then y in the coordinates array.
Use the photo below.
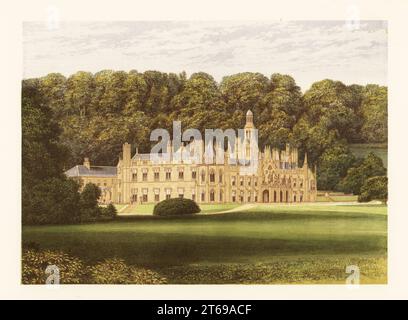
{"type": "Point", "coordinates": [305, 161]}
{"type": "Point", "coordinates": [249, 135]}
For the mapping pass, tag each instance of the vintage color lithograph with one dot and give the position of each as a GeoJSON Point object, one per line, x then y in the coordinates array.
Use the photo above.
{"type": "Point", "coordinates": [204, 151]}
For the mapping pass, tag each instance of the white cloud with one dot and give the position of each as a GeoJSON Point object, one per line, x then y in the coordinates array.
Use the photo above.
{"type": "Point", "coordinates": [309, 51]}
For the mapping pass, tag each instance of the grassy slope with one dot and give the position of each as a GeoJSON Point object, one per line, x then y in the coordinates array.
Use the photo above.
{"type": "Point", "coordinates": [266, 245]}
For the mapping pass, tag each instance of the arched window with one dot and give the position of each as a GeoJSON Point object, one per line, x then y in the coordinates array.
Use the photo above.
{"type": "Point", "coordinates": [212, 176]}
{"type": "Point", "coordinates": [203, 176]}
{"type": "Point", "coordinates": [212, 195]}
{"type": "Point", "coordinates": [220, 177]}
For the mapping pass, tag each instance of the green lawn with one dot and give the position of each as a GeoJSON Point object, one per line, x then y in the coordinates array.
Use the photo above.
{"type": "Point", "coordinates": [267, 244]}
{"type": "Point", "coordinates": [337, 198]}
{"type": "Point", "coordinates": [205, 208]}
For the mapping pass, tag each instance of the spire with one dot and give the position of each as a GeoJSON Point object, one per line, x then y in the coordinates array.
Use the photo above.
{"type": "Point", "coordinates": [305, 162]}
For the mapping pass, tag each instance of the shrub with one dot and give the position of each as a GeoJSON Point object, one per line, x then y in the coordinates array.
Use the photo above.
{"type": "Point", "coordinates": [34, 264]}
{"type": "Point", "coordinates": [53, 201]}
{"type": "Point", "coordinates": [116, 271]}
{"type": "Point", "coordinates": [371, 166]}
{"type": "Point", "coordinates": [73, 271]}
{"type": "Point", "coordinates": [176, 206]}
{"type": "Point", "coordinates": [89, 202]}
{"type": "Point", "coordinates": [110, 211]}
{"type": "Point", "coordinates": [375, 188]}
{"type": "Point", "coordinates": [333, 165]}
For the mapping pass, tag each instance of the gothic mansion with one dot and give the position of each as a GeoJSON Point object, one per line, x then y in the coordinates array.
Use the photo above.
{"type": "Point", "coordinates": [136, 179]}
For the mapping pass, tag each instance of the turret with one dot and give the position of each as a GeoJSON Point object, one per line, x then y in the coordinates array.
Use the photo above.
{"type": "Point", "coordinates": [249, 119]}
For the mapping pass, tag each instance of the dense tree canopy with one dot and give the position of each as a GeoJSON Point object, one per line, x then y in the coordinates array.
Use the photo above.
{"type": "Point", "coordinates": [43, 156]}
{"type": "Point", "coordinates": [333, 165]}
{"type": "Point", "coordinates": [48, 197]}
{"type": "Point", "coordinates": [91, 115]}
{"type": "Point", "coordinates": [374, 114]}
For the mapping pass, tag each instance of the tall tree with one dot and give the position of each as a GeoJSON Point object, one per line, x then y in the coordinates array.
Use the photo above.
{"type": "Point", "coordinates": [333, 165]}
{"type": "Point", "coordinates": [79, 92]}
{"type": "Point", "coordinates": [244, 91]}
{"type": "Point", "coordinates": [52, 88]}
{"type": "Point", "coordinates": [199, 105]}
{"type": "Point", "coordinates": [43, 157]}
{"type": "Point", "coordinates": [47, 196]}
{"type": "Point", "coordinates": [110, 92]}
{"type": "Point", "coordinates": [279, 111]}
{"type": "Point", "coordinates": [332, 100]}
{"type": "Point", "coordinates": [374, 114]}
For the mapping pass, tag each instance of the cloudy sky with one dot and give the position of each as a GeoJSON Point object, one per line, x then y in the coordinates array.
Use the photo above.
{"type": "Point", "coordinates": [308, 51]}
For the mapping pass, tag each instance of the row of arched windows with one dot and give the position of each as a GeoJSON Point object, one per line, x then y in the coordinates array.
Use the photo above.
{"type": "Point", "coordinates": [213, 196]}
{"type": "Point", "coordinates": [212, 176]}
{"type": "Point", "coordinates": [281, 196]}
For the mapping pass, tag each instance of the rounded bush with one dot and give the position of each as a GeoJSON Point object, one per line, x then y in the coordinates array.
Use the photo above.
{"type": "Point", "coordinates": [374, 188]}
{"type": "Point", "coordinates": [176, 206]}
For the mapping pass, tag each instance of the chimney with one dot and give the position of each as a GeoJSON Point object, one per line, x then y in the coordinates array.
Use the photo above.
{"type": "Point", "coordinates": [127, 154]}
{"type": "Point", "coordinates": [87, 163]}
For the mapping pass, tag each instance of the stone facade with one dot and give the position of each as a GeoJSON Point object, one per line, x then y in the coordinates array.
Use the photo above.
{"type": "Point", "coordinates": [278, 178]}
{"type": "Point", "coordinates": [104, 177]}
